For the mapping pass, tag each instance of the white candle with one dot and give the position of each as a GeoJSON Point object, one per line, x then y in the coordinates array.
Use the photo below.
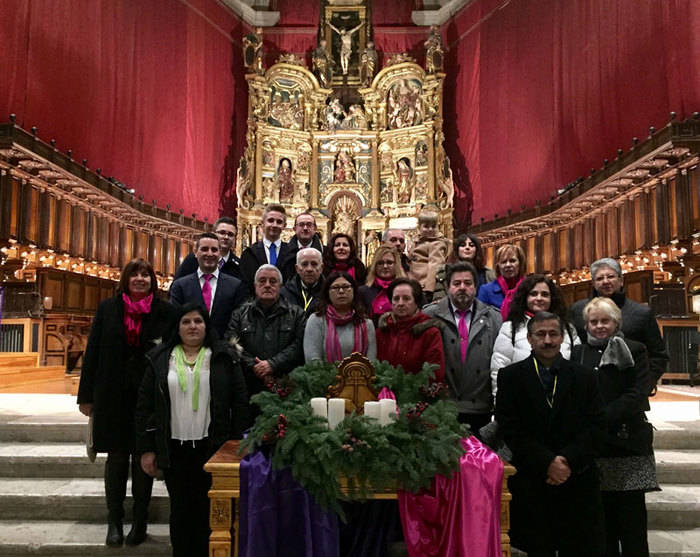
{"type": "Point", "coordinates": [319, 407]}
{"type": "Point", "coordinates": [372, 409]}
{"type": "Point", "coordinates": [336, 411]}
{"type": "Point", "coordinates": [387, 411]}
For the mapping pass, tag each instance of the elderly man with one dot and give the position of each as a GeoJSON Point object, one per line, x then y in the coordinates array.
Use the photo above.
{"type": "Point", "coordinates": [548, 410]}
{"type": "Point", "coordinates": [271, 249]}
{"type": "Point", "coordinates": [225, 230]}
{"type": "Point", "coordinates": [209, 286]}
{"type": "Point", "coordinates": [396, 238]}
{"type": "Point", "coordinates": [469, 331]}
{"type": "Point", "coordinates": [305, 236]}
{"type": "Point", "coordinates": [269, 330]}
{"type": "Point", "coordinates": [638, 321]}
{"type": "Point", "coordinates": [304, 288]}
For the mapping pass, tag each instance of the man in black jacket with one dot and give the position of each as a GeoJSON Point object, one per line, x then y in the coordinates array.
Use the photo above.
{"type": "Point", "coordinates": [548, 410]}
{"type": "Point", "coordinates": [305, 236]}
{"type": "Point", "coordinates": [225, 229]}
{"type": "Point", "coordinates": [270, 331]}
{"type": "Point", "coordinates": [304, 288]}
{"type": "Point", "coordinates": [270, 250]}
{"type": "Point", "coordinates": [638, 321]}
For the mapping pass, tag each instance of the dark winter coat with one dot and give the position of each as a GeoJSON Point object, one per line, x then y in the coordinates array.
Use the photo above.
{"type": "Point", "coordinates": [112, 370]}
{"type": "Point", "coordinates": [291, 291]}
{"type": "Point", "coordinates": [228, 405]}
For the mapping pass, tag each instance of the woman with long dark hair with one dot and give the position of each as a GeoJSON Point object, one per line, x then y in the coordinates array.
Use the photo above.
{"type": "Point", "coordinates": [192, 400]}
{"type": "Point", "coordinates": [125, 327]}
{"type": "Point", "coordinates": [339, 327]}
{"type": "Point", "coordinates": [340, 255]}
{"type": "Point", "coordinates": [535, 293]}
{"type": "Point", "coordinates": [467, 247]}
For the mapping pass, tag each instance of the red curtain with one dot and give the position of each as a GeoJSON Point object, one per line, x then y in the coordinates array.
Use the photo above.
{"type": "Point", "coordinates": [151, 92]}
{"type": "Point", "coordinates": [540, 91]}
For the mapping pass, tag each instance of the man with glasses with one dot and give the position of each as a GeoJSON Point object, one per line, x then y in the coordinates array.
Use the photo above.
{"type": "Point", "coordinates": [638, 321]}
{"type": "Point", "coordinates": [305, 236]}
{"type": "Point", "coordinates": [229, 263]}
{"type": "Point", "coordinates": [548, 410]}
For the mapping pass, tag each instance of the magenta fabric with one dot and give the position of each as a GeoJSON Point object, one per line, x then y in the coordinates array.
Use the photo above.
{"type": "Point", "coordinates": [133, 315]}
{"type": "Point", "coordinates": [381, 303]}
{"type": "Point", "coordinates": [360, 339]}
{"type": "Point", "coordinates": [458, 516]}
{"type": "Point", "coordinates": [206, 291]}
{"type": "Point", "coordinates": [509, 294]}
{"type": "Point", "coordinates": [463, 330]}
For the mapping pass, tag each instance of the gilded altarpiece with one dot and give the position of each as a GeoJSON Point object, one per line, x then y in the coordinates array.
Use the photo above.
{"type": "Point", "coordinates": [358, 167]}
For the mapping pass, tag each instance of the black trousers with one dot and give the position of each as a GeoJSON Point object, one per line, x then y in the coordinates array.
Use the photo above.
{"type": "Point", "coordinates": [475, 421]}
{"type": "Point", "coordinates": [625, 524]}
{"type": "Point", "coordinates": [188, 486]}
{"type": "Point", "coordinates": [116, 475]}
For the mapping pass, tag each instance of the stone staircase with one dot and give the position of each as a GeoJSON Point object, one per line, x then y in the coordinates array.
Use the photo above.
{"type": "Point", "coordinates": [52, 497]}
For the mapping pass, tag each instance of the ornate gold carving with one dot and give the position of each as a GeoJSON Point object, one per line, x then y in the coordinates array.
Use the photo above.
{"type": "Point", "coordinates": [434, 53]}
{"type": "Point", "coordinates": [291, 58]}
{"type": "Point", "coordinates": [220, 512]}
{"type": "Point", "coordinates": [354, 383]}
{"type": "Point", "coordinates": [252, 51]}
{"type": "Point", "coordinates": [400, 59]}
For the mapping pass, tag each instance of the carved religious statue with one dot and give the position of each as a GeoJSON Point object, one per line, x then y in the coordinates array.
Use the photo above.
{"type": "Point", "coordinates": [345, 44]}
{"type": "Point", "coordinates": [285, 181]}
{"type": "Point", "coordinates": [405, 106]}
{"type": "Point", "coordinates": [434, 53]}
{"type": "Point", "coordinates": [344, 167]}
{"type": "Point", "coordinates": [252, 51]}
{"type": "Point", "coordinates": [344, 216]}
{"type": "Point", "coordinates": [368, 64]}
{"type": "Point", "coordinates": [322, 64]}
{"type": "Point", "coordinates": [335, 115]}
{"type": "Point", "coordinates": [404, 180]}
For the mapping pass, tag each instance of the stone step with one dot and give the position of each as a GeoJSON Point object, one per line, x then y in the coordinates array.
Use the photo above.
{"type": "Point", "coordinates": [678, 467]}
{"type": "Point", "coordinates": [72, 430]}
{"type": "Point", "coordinates": [676, 507]}
{"type": "Point", "coordinates": [79, 499]}
{"type": "Point", "coordinates": [683, 439]}
{"type": "Point", "coordinates": [49, 460]}
{"type": "Point", "coordinates": [674, 543]}
{"type": "Point", "coordinates": [68, 539]}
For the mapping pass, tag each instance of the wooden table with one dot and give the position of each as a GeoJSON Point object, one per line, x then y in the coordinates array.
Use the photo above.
{"type": "Point", "coordinates": [225, 469]}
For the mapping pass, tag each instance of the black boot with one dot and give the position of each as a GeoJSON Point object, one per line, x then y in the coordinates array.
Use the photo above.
{"type": "Point", "coordinates": [137, 534]}
{"type": "Point", "coordinates": [115, 534]}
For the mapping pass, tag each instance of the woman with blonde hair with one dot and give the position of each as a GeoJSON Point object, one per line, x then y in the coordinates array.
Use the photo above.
{"type": "Point", "coordinates": [626, 458]}
{"type": "Point", "coordinates": [385, 267]}
{"type": "Point", "coordinates": [510, 270]}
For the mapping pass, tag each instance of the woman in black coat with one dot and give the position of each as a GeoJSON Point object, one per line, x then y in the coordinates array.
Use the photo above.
{"type": "Point", "coordinates": [124, 329]}
{"type": "Point", "coordinates": [192, 400]}
{"type": "Point", "coordinates": [626, 458]}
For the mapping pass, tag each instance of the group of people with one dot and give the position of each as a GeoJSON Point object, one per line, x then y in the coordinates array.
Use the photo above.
{"type": "Point", "coordinates": [167, 383]}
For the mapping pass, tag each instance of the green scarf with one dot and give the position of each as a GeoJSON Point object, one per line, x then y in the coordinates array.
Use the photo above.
{"type": "Point", "coordinates": [180, 363]}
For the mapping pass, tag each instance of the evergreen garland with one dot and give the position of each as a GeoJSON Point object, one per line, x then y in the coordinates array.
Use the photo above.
{"type": "Point", "coordinates": [407, 454]}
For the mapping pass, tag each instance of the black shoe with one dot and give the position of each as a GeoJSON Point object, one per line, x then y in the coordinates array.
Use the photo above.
{"type": "Point", "coordinates": [115, 534]}
{"type": "Point", "coordinates": [137, 534]}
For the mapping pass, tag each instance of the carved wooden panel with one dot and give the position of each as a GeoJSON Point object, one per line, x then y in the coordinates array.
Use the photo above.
{"type": "Point", "coordinates": [662, 214]}
{"type": "Point", "coordinates": [683, 205]}
{"type": "Point", "coordinates": [694, 179]}
{"type": "Point", "coordinates": [354, 383]}
{"type": "Point", "coordinates": [53, 286]}
{"type": "Point", "coordinates": [74, 294]}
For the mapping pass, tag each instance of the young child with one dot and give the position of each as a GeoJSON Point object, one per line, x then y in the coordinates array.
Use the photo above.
{"type": "Point", "coordinates": [430, 251]}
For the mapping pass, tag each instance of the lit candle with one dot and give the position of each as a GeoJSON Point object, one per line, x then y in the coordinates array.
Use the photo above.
{"type": "Point", "coordinates": [387, 411]}
{"type": "Point", "coordinates": [372, 409]}
{"type": "Point", "coordinates": [319, 407]}
{"type": "Point", "coordinates": [336, 411]}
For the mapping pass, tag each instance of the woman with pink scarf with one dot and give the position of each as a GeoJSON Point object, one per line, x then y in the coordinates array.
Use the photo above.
{"type": "Point", "coordinates": [339, 328]}
{"type": "Point", "coordinates": [385, 267]}
{"type": "Point", "coordinates": [510, 270]}
{"type": "Point", "coordinates": [340, 256]}
{"type": "Point", "coordinates": [125, 327]}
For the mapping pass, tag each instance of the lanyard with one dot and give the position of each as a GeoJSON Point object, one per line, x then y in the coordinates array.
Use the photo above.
{"type": "Point", "coordinates": [550, 400]}
{"type": "Point", "coordinates": [307, 301]}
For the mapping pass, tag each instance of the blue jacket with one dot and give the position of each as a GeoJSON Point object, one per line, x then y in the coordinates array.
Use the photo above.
{"type": "Point", "coordinates": [492, 294]}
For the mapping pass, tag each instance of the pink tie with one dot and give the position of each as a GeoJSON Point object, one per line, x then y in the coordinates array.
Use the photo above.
{"type": "Point", "coordinates": [463, 333]}
{"type": "Point", "coordinates": [206, 291]}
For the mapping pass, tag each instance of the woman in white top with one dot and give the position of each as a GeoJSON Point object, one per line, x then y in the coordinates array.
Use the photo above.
{"type": "Point", "coordinates": [535, 293]}
{"type": "Point", "coordinates": [192, 400]}
{"type": "Point", "coordinates": [339, 328]}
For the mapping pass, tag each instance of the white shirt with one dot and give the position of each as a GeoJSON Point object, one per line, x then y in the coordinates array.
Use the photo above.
{"type": "Point", "coordinates": [185, 423]}
{"type": "Point", "coordinates": [278, 245]}
{"type": "Point", "coordinates": [212, 282]}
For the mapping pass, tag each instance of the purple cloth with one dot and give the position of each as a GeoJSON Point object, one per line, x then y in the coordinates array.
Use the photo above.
{"type": "Point", "coordinates": [278, 517]}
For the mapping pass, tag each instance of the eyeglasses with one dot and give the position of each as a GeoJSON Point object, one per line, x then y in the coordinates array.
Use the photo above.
{"type": "Point", "coordinates": [341, 288]}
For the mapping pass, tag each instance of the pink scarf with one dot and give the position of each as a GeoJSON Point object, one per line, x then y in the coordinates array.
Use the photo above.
{"type": "Point", "coordinates": [344, 268]}
{"type": "Point", "coordinates": [133, 315]}
{"type": "Point", "coordinates": [381, 303]}
{"type": "Point", "coordinates": [333, 320]}
{"type": "Point", "coordinates": [509, 291]}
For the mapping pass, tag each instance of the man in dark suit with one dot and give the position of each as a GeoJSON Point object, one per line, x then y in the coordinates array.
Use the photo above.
{"type": "Point", "coordinates": [270, 250]}
{"type": "Point", "coordinates": [638, 321]}
{"type": "Point", "coordinates": [229, 263]}
{"type": "Point", "coordinates": [208, 286]}
{"type": "Point", "coordinates": [305, 236]}
{"type": "Point", "coordinates": [548, 410]}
